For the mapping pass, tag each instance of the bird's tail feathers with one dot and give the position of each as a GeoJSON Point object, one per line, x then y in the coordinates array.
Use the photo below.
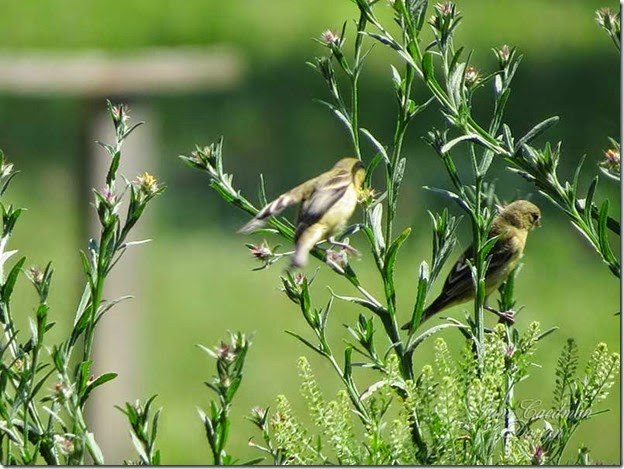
{"type": "Point", "coordinates": [306, 241]}
{"type": "Point", "coordinates": [252, 225]}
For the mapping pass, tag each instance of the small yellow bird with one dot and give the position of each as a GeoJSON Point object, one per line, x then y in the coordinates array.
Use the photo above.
{"type": "Point", "coordinates": [512, 225]}
{"type": "Point", "coordinates": [327, 203]}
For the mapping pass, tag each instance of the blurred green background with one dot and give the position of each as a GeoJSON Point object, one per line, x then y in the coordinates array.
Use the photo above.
{"type": "Point", "coordinates": [196, 279]}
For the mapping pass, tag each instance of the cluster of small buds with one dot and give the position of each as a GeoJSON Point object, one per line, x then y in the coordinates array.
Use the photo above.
{"type": "Point", "coordinates": [61, 392]}
{"type": "Point", "coordinates": [510, 349]}
{"type": "Point", "coordinates": [606, 18]}
{"type": "Point", "coordinates": [259, 416]}
{"type": "Point", "coordinates": [503, 55]}
{"type": "Point", "coordinates": [107, 204]}
{"type": "Point", "coordinates": [299, 278]}
{"type": "Point", "coordinates": [444, 13]}
{"type": "Point", "coordinates": [119, 114]}
{"type": "Point", "coordinates": [18, 365]}
{"type": "Point", "coordinates": [225, 352]}
{"type": "Point", "coordinates": [109, 196]}
{"type": "Point", "coordinates": [202, 157]}
{"type": "Point", "coordinates": [330, 38]}
{"type": "Point", "coordinates": [293, 286]}
{"type": "Point", "coordinates": [539, 455]}
{"type": "Point", "coordinates": [147, 184]}
{"type": "Point", "coordinates": [6, 169]}
{"type": "Point", "coordinates": [446, 8]}
{"type": "Point", "coordinates": [334, 43]}
{"type": "Point", "coordinates": [35, 274]}
{"type": "Point", "coordinates": [471, 77]}
{"type": "Point", "coordinates": [262, 252]}
{"type": "Point", "coordinates": [64, 444]}
{"type": "Point", "coordinates": [611, 160]}
{"type": "Point", "coordinates": [366, 196]}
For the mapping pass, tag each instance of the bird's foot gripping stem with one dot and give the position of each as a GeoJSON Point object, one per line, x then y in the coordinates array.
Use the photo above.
{"type": "Point", "coordinates": [508, 317]}
{"type": "Point", "coordinates": [344, 245]}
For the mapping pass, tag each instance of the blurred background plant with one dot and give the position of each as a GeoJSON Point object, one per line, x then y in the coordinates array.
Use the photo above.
{"type": "Point", "coordinates": [44, 419]}
{"type": "Point", "coordinates": [568, 71]}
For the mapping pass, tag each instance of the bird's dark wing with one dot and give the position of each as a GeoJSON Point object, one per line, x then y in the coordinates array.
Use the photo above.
{"type": "Point", "coordinates": [327, 191]}
{"type": "Point", "coordinates": [275, 207]}
{"type": "Point", "coordinates": [501, 257]}
{"type": "Point", "coordinates": [459, 280]}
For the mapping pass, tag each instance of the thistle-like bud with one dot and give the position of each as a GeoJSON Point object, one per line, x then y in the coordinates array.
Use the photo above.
{"type": "Point", "coordinates": [471, 77]}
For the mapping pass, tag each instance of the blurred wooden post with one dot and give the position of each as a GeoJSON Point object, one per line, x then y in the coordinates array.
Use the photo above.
{"type": "Point", "coordinates": [94, 76]}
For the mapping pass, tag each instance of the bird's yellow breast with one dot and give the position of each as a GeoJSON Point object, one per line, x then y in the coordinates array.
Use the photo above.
{"type": "Point", "coordinates": [336, 217]}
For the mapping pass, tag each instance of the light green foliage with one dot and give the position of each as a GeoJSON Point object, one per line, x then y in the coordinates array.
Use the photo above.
{"type": "Point", "coordinates": [291, 440]}
{"type": "Point", "coordinates": [574, 398]}
{"type": "Point", "coordinates": [462, 405]}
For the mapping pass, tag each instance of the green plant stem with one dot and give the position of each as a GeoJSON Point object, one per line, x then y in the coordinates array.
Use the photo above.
{"type": "Point", "coordinates": [354, 76]}
{"type": "Point", "coordinates": [29, 407]}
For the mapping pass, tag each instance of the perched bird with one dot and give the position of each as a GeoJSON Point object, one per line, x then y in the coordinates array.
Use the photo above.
{"type": "Point", "coordinates": [327, 202]}
{"type": "Point", "coordinates": [512, 224]}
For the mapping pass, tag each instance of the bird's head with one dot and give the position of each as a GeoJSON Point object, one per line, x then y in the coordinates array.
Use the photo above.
{"type": "Point", "coordinates": [355, 167]}
{"type": "Point", "coordinates": [522, 214]}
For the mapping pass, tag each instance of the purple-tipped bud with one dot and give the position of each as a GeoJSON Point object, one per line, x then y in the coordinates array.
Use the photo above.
{"type": "Point", "coordinates": [261, 252]}
{"type": "Point", "coordinates": [330, 38]}
{"type": "Point", "coordinates": [471, 77]}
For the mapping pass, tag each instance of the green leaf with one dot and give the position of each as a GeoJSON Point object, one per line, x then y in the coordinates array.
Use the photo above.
{"type": "Point", "coordinates": [416, 341]}
{"type": "Point", "coordinates": [339, 114]}
{"type": "Point", "coordinates": [546, 333]}
{"type": "Point", "coordinates": [577, 173]}
{"type": "Point", "coordinates": [100, 380]}
{"type": "Point", "coordinates": [347, 373]}
{"type": "Point", "coordinates": [427, 66]}
{"type": "Point", "coordinates": [80, 325]}
{"type": "Point", "coordinates": [487, 247]}
{"type": "Point", "coordinates": [451, 195]}
{"type": "Point", "coordinates": [376, 217]}
{"type": "Point", "coordinates": [138, 446]}
{"type": "Point", "coordinates": [589, 200]}
{"type": "Point", "coordinates": [603, 239]}
{"type": "Point", "coordinates": [399, 171]}
{"type": "Point", "coordinates": [83, 373]}
{"type": "Point", "coordinates": [40, 383]}
{"type": "Point", "coordinates": [7, 288]}
{"type": "Point", "coordinates": [455, 60]}
{"type": "Point", "coordinates": [359, 301]}
{"type": "Point", "coordinates": [393, 250]}
{"type": "Point", "coordinates": [112, 170]}
{"type": "Point", "coordinates": [389, 267]}
{"type": "Point", "coordinates": [535, 132]}
{"type": "Point", "coordinates": [383, 39]}
{"type": "Point", "coordinates": [379, 147]}
{"type": "Point", "coordinates": [456, 80]}
{"type": "Point", "coordinates": [307, 342]}
{"type": "Point", "coordinates": [449, 145]}
{"type": "Point", "coordinates": [421, 295]}
{"type": "Point", "coordinates": [155, 421]}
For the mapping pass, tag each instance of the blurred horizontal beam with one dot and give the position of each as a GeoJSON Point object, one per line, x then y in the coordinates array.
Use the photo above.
{"type": "Point", "coordinates": [98, 73]}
